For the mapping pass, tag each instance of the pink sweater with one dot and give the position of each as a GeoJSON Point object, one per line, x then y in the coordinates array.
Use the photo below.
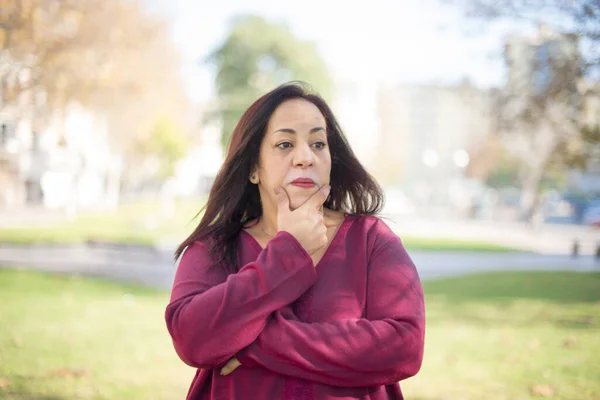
{"type": "Point", "coordinates": [351, 328]}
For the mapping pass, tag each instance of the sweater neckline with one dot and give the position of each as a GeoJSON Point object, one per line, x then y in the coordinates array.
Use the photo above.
{"type": "Point", "coordinates": [341, 231]}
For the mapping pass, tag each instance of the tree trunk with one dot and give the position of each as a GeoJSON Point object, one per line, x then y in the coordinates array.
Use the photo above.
{"type": "Point", "coordinates": [530, 197]}
{"type": "Point", "coordinates": [543, 145]}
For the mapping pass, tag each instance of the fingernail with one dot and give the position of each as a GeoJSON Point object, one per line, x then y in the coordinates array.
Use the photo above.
{"type": "Point", "coordinates": [277, 190]}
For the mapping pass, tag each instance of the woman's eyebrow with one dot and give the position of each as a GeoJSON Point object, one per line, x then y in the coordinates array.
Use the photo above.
{"type": "Point", "coordinates": [293, 132]}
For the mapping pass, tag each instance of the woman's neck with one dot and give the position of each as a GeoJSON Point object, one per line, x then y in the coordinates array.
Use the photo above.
{"type": "Point", "coordinates": [268, 223]}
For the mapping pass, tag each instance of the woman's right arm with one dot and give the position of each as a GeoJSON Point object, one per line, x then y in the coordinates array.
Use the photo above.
{"type": "Point", "coordinates": [212, 316]}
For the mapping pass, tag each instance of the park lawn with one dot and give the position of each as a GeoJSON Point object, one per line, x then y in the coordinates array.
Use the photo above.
{"type": "Point", "coordinates": [511, 335]}
{"type": "Point", "coordinates": [452, 244]}
{"type": "Point", "coordinates": [66, 337]}
{"type": "Point", "coordinates": [489, 336]}
{"type": "Point", "coordinates": [133, 224]}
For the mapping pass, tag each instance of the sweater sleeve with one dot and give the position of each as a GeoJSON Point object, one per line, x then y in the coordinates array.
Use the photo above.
{"type": "Point", "coordinates": [381, 349]}
{"type": "Point", "coordinates": [212, 316]}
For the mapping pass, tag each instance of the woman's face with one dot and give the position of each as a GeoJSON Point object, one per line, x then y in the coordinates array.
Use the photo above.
{"type": "Point", "coordinates": [294, 153]}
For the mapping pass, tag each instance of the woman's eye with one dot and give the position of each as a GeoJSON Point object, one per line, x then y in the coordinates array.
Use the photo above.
{"type": "Point", "coordinates": [319, 145]}
{"type": "Point", "coordinates": [284, 145]}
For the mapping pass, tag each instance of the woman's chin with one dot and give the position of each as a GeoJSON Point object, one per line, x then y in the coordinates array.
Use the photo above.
{"type": "Point", "coordinates": [298, 201]}
{"type": "Point", "coordinates": [299, 196]}
{"type": "Point", "coordinates": [295, 205]}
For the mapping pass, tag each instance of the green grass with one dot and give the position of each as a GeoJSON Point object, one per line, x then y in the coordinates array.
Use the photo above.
{"type": "Point", "coordinates": [72, 338]}
{"type": "Point", "coordinates": [136, 224]}
{"type": "Point", "coordinates": [510, 336]}
{"type": "Point", "coordinates": [447, 244]}
{"type": "Point", "coordinates": [489, 336]}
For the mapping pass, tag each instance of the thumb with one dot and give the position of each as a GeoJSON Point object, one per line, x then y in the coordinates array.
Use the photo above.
{"type": "Point", "coordinates": [283, 201]}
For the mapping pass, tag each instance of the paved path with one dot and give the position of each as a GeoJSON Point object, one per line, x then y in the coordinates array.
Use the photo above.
{"type": "Point", "coordinates": [155, 268]}
{"type": "Point", "coordinates": [432, 265]}
{"type": "Point", "coordinates": [547, 239]}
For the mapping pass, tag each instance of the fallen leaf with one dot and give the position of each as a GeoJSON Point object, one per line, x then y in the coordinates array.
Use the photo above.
{"type": "Point", "coordinates": [588, 320]}
{"type": "Point", "coordinates": [570, 342]}
{"type": "Point", "coordinates": [542, 390]}
{"type": "Point", "coordinates": [69, 373]}
{"type": "Point", "coordinates": [17, 342]}
{"type": "Point", "coordinates": [5, 382]}
{"type": "Point", "coordinates": [451, 359]}
{"type": "Point", "coordinates": [513, 358]}
{"type": "Point", "coordinates": [534, 345]}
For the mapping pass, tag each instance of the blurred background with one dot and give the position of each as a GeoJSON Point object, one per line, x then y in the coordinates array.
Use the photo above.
{"type": "Point", "coordinates": [481, 120]}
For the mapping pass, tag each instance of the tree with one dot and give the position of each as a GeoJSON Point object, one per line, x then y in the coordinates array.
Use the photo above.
{"type": "Point", "coordinates": [256, 56]}
{"type": "Point", "coordinates": [167, 144]}
{"type": "Point", "coordinates": [540, 110]}
{"type": "Point", "coordinates": [580, 18]}
{"type": "Point", "coordinates": [147, 92]}
{"type": "Point", "coordinates": [114, 59]}
{"type": "Point", "coordinates": [53, 52]}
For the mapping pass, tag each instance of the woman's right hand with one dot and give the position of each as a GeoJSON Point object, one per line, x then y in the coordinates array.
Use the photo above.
{"type": "Point", "coordinates": [306, 222]}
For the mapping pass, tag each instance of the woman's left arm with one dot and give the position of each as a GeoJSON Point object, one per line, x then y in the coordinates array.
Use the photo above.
{"type": "Point", "coordinates": [383, 348]}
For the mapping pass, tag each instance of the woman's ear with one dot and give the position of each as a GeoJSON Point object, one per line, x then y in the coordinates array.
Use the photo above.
{"type": "Point", "coordinates": [254, 177]}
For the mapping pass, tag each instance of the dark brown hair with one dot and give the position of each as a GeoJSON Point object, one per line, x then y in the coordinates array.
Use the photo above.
{"type": "Point", "coordinates": [234, 200]}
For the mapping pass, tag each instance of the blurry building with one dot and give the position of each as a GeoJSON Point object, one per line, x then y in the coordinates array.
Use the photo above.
{"type": "Point", "coordinates": [11, 192]}
{"type": "Point", "coordinates": [196, 172]}
{"type": "Point", "coordinates": [66, 164]}
{"type": "Point", "coordinates": [355, 107]}
{"type": "Point", "coordinates": [426, 134]}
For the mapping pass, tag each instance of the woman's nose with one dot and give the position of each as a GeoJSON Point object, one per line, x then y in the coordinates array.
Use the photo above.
{"type": "Point", "coordinates": [303, 156]}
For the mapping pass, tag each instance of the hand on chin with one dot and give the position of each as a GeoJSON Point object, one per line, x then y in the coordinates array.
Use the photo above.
{"type": "Point", "coordinates": [299, 197]}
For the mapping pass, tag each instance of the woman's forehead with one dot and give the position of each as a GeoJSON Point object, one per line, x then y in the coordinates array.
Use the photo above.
{"type": "Point", "coordinates": [298, 112]}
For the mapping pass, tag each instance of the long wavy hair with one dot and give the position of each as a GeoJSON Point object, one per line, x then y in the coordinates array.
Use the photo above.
{"type": "Point", "coordinates": [233, 200]}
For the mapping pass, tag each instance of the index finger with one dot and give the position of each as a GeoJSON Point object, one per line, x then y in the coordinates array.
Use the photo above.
{"type": "Point", "coordinates": [283, 201]}
{"type": "Point", "coordinates": [231, 366]}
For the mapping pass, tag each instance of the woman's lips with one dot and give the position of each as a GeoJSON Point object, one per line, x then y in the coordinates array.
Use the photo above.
{"type": "Point", "coordinates": [304, 183]}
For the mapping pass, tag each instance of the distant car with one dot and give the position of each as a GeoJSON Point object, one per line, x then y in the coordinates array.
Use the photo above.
{"type": "Point", "coordinates": [591, 215]}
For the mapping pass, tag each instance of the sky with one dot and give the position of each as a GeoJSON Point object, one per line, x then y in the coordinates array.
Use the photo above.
{"type": "Point", "coordinates": [375, 42]}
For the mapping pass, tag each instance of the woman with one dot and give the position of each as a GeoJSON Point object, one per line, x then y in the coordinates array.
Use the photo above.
{"type": "Point", "coordinates": [290, 287]}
